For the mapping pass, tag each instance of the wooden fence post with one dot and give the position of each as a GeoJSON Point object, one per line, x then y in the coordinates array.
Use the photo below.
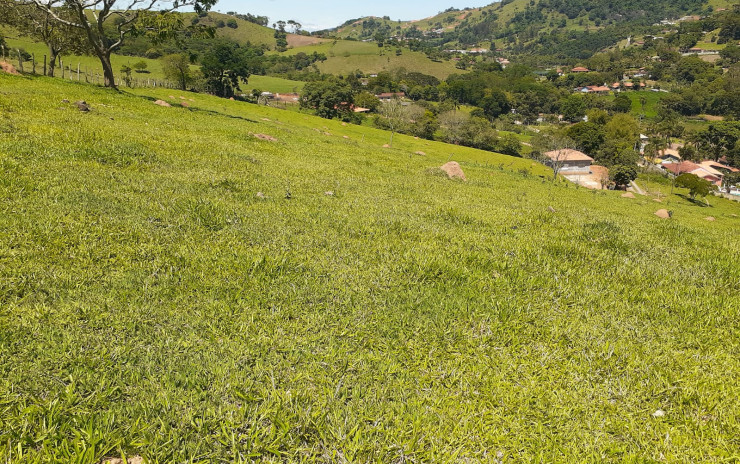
{"type": "Point", "coordinates": [44, 65]}
{"type": "Point", "coordinates": [33, 58]}
{"type": "Point", "coordinates": [20, 60]}
{"type": "Point", "coordinates": [61, 66]}
{"type": "Point", "coordinates": [78, 71]}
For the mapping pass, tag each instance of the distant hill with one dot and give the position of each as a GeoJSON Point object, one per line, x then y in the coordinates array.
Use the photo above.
{"type": "Point", "coordinates": [560, 28]}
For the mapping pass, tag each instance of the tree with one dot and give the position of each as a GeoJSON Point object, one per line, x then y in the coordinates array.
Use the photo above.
{"type": "Point", "coordinates": [177, 68]}
{"type": "Point", "coordinates": [573, 108]}
{"type": "Point", "coordinates": [588, 136]}
{"type": "Point", "coordinates": [128, 18]}
{"type": "Point", "coordinates": [697, 186]}
{"type": "Point", "coordinates": [730, 180]}
{"type": "Point", "coordinates": [367, 100]}
{"type": "Point", "coordinates": [622, 174]}
{"type": "Point", "coordinates": [495, 104]}
{"type": "Point", "coordinates": [622, 103]}
{"type": "Point", "coordinates": [40, 25]}
{"type": "Point", "coordinates": [328, 99]}
{"type": "Point", "coordinates": [394, 113]}
{"type": "Point", "coordinates": [141, 66]}
{"type": "Point", "coordinates": [227, 65]}
{"type": "Point", "coordinates": [718, 139]}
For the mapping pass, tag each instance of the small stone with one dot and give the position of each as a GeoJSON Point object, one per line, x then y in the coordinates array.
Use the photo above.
{"type": "Point", "coordinates": [663, 214]}
{"type": "Point", "coordinates": [659, 413]}
{"type": "Point", "coordinates": [82, 106]}
{"type": "Point", "coordinates": [261, 195]}
{"type": "Point", "coordinates": [628, 195]}
{"type": "Point", "coordinates": [185, 104]}
{"type": "Point", "coordinates": [420, 153]}
{"type": "Point", "coordinates": [386, 146]}
{"type": "Point", "coordinates": [551, 209]}
{"type": "Point", "coordinates": [65, 101]}
{"type": "Point", "coordinates": [162, 103]}
{"type": "Point", "coordinates": [266, 137]}
{"type": "Point", "coordinates": [346, 137]}
{"type": "Point", "coordinates": [329, 193]}
{"type": "Point", "coordinates": [710, 219]}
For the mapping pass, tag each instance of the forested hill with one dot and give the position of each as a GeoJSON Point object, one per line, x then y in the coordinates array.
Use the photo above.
{"type": "Point", "coordinates": [560, 28]}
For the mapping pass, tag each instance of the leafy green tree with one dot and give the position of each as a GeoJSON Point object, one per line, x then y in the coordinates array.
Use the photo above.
{"type": "Point", "coordinates": [573, 108]}
{"type": "Point", "coordinates": [588, 136]}
{"type": "Point", "coordinates": [623, 131]}
{"type": "Point", "coordinates": [177, 68]}
{"type": "Point", "coordinates": [226, 66]}
{"type": "Point", "coordinates": [622, 103]}
{"type": "Point", "coordinates": [495, 104]}
{"type": "Point", "coordinates": [128, 18]}
{"type": "Point", "coordinates": [367, 100]}
{"type": "Point", "coordinates": [328, 99]}
{"type": "Point", "coordinates": [622, 174]}
{"type": "Point", "coordinates": [141, 66]}
{"type": "Point", "coordinates": [730, 54]}
{"type": "Point", "coordinates": [718, 139]}
{"type": "Point", "coordinates": [697, 186]}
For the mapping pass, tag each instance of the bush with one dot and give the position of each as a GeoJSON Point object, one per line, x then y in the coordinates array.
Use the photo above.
{"type": "Point", "coordinates": [623, 174]}
{"type": "Point", "coordinates": [232, 23]}
{"type": "Point", "coordinates": [141, 66]}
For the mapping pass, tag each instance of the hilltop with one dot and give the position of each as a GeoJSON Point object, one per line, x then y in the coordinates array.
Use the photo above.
{"type": "Point", "coordinates": [228, 282]}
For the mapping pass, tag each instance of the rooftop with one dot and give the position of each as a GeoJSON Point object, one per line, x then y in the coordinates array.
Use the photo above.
{"type": "Point", "coordinates": [568, 154]}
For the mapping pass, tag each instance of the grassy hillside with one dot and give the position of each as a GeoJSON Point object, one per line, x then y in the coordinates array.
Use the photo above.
{"type": "Point", "coordinates": [173, 287]}
{"type": "Point", "coordinates": [344, 56]}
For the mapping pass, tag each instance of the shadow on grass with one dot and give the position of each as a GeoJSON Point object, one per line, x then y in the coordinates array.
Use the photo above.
{"type": "Point", "coordinates": [191, 109]}
{"type": "Point", "coordinates": [695, 201]}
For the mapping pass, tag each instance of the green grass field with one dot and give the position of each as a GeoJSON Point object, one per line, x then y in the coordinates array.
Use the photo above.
{"type": "Point", "coordinates": [346, 56]}
{"type": "Point", "coordinates": [273, 84]}
{"type": "Point", "coordinates": [175, 288]}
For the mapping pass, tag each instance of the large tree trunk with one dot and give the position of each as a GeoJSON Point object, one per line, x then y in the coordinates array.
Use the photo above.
{"type": "Point", "coordinates": [52, 61]}
{"type": "Point", "coordinates": [110, 78]}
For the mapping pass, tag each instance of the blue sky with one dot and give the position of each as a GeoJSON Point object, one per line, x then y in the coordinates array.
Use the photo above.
{"type": "Point", "coordinates": [321, 14]}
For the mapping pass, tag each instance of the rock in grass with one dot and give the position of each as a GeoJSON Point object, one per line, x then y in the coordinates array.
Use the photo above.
{"type": "Point", "coordinates": [261, 196]}
{"type": "Point", "coordinates": [420, 153]}
{"type": "Point", "coordinates": [345, 137]}
{"type": "Point", "coordinates": [386, 146]}
{"type": "Point", "coordinates": [551, 209]}
{"type": "Point", "coordinates": [659, 413]}
{"type": "Point", "coordinates": [162, 103]}
{"type": "Point", "coordinates": [329, 193]}
{"type": "Point", "coordinates": [268, 138]}
{"type": "Point", "coordinates": [710, 219]}
{"type": "Point", "coordinates": [663, 214]}
{"type": "Point", "coordinates": [129, 460]}
{"type": "Point", "coordinates": [8, 68]}
{"type": "Point", "coordinates": [628, 195]}
{"type": "Point", "coordinates": [82, 106]}
{"type": "Point", "coordinates": [454, 171]}
{"type": "Point", "coordinates": [185, 104]}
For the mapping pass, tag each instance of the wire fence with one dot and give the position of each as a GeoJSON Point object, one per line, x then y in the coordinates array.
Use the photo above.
{"type": "Point", "coordinates": [28, 64]}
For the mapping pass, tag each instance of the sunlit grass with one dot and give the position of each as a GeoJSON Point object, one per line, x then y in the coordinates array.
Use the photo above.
{"type": "Point", "coordinates": [360, 309]}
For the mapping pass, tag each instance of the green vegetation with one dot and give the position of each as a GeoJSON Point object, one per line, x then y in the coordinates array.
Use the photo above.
{"type": "Point", "coordinates": [172, 286]}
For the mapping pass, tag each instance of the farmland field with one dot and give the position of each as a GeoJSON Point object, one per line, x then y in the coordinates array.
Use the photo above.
{"type": "Point", "coordinates": [173, 287]}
